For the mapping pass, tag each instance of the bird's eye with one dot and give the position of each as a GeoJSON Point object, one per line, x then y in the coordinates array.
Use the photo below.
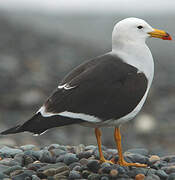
{"type": "Point", "coordinates": [139, 27]}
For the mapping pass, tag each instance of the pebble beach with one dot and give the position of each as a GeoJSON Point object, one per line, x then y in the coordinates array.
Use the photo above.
{"type": "Point", "coordinates": [59, 162]}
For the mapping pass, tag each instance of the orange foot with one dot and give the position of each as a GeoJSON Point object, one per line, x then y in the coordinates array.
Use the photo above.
{"type": "Point", "coordinates": [124, 163]}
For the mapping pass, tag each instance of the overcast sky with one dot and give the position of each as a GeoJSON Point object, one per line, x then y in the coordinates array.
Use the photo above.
{"type": "Point", "coordinates": [126, 6]}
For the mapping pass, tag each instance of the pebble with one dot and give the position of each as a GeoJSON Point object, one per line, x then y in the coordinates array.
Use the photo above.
{"type": "Point", "coordinates": [140, 177]}
{"type": "Point", "coordinates": [154, 158]}
{"type": "Point", "coordinates": [10, 151]}
{"type": "Point", "coordinates": [113, 173]}
{"type": "Point", "coordinates": [93, 165]}
{"type": "Point", "coordinates": [74, 175]}
{"type": "Point", "coordinates": [70, 158]}
{"type": "Point", "coordinates": [57, 162]}
{"type": "Point", "coordinates": [171, 177]}
{"type": "Point", "coordinates": [28, 147]}
{"type": "Point", "coordinates": [46, 157]}
{"type": "Point", "coordinates": [152, 177]}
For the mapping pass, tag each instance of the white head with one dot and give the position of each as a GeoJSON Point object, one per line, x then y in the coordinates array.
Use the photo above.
{"type": "Point", "coordinates": [135, 30]}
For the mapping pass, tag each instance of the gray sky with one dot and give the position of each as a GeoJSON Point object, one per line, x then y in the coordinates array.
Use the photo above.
{"type": "Point", "coordinates": [127, 6]}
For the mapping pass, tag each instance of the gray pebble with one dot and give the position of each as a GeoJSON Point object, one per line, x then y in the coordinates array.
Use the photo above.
{"type": "Point", "coordinates": [46, 157]}
{"type": "Point", "coordinates": [2, 176]}
{"type": "Point", "coordinates": [90, 147]}
{"type": "Point", "coordinates": [35, 177]}
{"type": "Point", "coordinates": [28, 147]}
{"type": "Point", "coordinates": [71, 166]}
{"type": "Point", "coordinates": [19, 158]}
{"type": "Point", "coordinates": [93, 165]}
{"type": "Point", "coordinates": [132, 173]}
{"type": "Point", "coordinates": [85, 174]}
{"type": "Point", "coordinates": [152, 177]}
{"type": "Point", "coordinates": [57, 152]}
{"type": "Point", "coordinates": [3, 168]}
{"type": "Point", "coordinates": [79, 149]}
{"type": "Point", "coordinates": [94, 177]}
{"type": "Point", "coordinates": [53, 146]}
{"type": "Point", "coordinates": [162, 174]}
{"type": "Point", "coordinates": [171, 177]}
{"type": "Point", "coordinates": [137, 158]}
{"type": "Point", "coordinates": [104, 178]}
{"type": "Point", "coordinates": [140, 151]}
{"type": "Point", "coordinates": [56, 166]}
{"type": "Point", "coordinates": [74, 175]}
{"type": "Point", "coordinates": [10, 151]}
{"type": "Point", "coordinates": [9, 162]}
{"type": "Point", "coordinates": [70, 158]}
{"type": "Point", "coordinates": [12, 169]}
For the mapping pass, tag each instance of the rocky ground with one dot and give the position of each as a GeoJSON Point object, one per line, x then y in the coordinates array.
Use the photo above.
{"type": "Point", "coordinates": [58, 162]}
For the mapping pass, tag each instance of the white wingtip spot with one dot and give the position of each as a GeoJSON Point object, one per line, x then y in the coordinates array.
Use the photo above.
{"type": "Point", "coordinates": [65, 86]}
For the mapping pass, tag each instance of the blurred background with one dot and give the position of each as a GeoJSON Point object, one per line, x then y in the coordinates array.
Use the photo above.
{"type": "Point", "coordinates": [42, 40]}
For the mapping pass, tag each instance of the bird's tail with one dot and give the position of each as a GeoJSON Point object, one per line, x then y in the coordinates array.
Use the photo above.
{"type": "Point", "coordinates": [38, 124]}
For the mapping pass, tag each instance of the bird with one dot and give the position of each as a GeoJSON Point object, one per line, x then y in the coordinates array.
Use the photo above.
{"type": "Point", "coordinates": [105, 91]}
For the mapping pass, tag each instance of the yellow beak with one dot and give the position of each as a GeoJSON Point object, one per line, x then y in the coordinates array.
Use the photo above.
{"type": "Point", "coordinates": [160, 34]}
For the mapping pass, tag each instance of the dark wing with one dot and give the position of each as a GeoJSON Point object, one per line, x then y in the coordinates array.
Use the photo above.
{"type": "Point", "coordinates": [105, 87]}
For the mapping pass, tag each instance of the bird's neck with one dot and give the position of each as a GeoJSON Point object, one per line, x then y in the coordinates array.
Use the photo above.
{"type": "Point", "coordinates": [136, 54]}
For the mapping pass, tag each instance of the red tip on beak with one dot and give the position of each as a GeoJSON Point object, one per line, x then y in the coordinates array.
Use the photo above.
{"type": "Point", "coordinates": [167, 37]}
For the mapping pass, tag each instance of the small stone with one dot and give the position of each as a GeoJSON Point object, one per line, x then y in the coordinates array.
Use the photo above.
{"type": "Point", "coordinates": [140, 177]}
{"type": "Point", "coordinates": [57, 166]}
{"type": "Point", "coordinates": [74, 175]}
{"type": "Point", "coordinates": [35, 177]}
{"type": "Point", "coordinates": [106, 169]}
{"type": "Point", "coordinates": [169, 169]}
{"type": "Point", "coordinates": [132, 173]}
{"type": "Point", "coordinates": [28, 147]}
{"type": "Point", "coordinates": [16, 172]}
{"type": "Point", "coordinates": [64, 173]}
{"type": "Point", "coordinates": [61, 169]}
{"type": "Point", "coordinates": [85, 154]}
{"type": "Point", "coordinates": [137, 158]}
{"type": "Point", "coordinates": [83, 161]}
{"type": "Point", "coordinates": [171, 176]}
{"type": "Point", "coordinates": [154, 158]}
{"type": "Point", "coordinates": [79, 149]}
{"type": "Point", "coordinates": [93, 165]}
{"type": "Point", "coordinates": [57, 152]}
{"type": "Point", "coordinates": [162, 174]}
{"type": "Point", "coordinates": [19, 158]}
{"type": "Point", "coordinates": [71, 166]}
{"type": "Point", "coordinates": [46, 157]}
{"type": "Point", "coordinates": [12, 169]}
{"type": "Point", "coordinates": [49, 172]}
{"type": "Point", "coordinates": [9, 162]}
{"type": "Point", "coordinates": [152, 177]}
{"type": "Point", "coordinates": [3, 176]}
{"type": "Point", "coordinates": [53, 146]}
{"type": "Point", "coordinates": [59, 177]}
{"type": "Point", "coordinates": [10, 151]}
{"type": "Point", "coordinates": [140, 151]}
{"type": "Point", "coordinates": [3, 168]}
{"type": "Point", "coordinates": [90, 147]}
{"type": "Point", "coordinates": [70, 158]}
{"type": "Point", "coordinates": [93, 177]}
{"type": "Point", "coordinates": [27, 160]}
{"type": "Point", "coordinates": [85, 174]}
{"type": "Point", "coordinates": [104, 178]}
{"type": "Point", "coordinates": [113, 173]}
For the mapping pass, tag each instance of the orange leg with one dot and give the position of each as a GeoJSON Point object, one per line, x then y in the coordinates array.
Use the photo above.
{"type": "Point", "coordinates": [98, 137]}
{"type": "Point", "coordinates": [121, 160]}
